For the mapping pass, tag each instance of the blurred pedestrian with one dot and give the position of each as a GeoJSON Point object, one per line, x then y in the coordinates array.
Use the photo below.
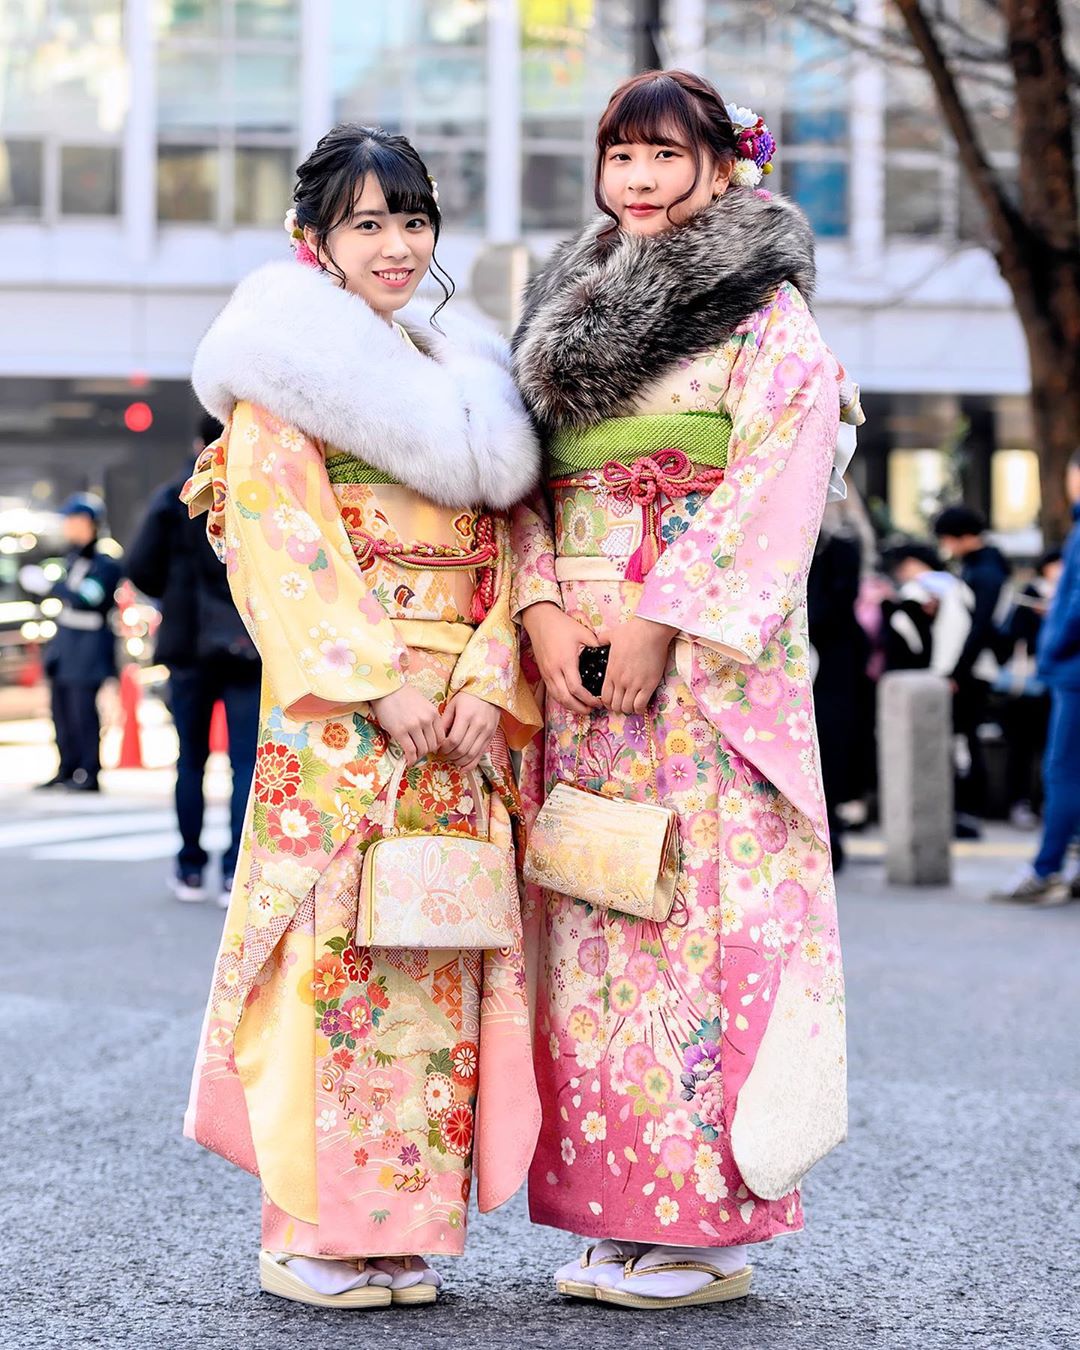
{"type": "Point", "coordinates": [841, 650]}
{"type": "Point", "coordinates": [928, 619]}
{"type": "Point", "coordinates": [82, 655]}
{"type": "Point", "coordinates": [961, 533]}
{"type": "Point", "coordinates": [1025, 711]}
{"type": "Point", "coordinates": [210, 656]}
{"type": "Point", "coordinates": [1059, 670]}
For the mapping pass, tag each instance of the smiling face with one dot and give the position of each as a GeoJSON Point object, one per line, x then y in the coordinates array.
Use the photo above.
{"type": "Point", "coordinates": [383, 255]}
{"type": "Point", "coordinates": [643, 183]}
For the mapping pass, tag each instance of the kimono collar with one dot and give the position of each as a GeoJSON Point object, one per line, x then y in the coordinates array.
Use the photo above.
{"type": "Point", "coordinates": [609, 315]}
{"type": "Point", "coordinates": [438, 413]}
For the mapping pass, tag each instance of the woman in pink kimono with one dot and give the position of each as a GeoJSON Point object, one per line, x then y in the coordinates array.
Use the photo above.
{"type": "Point", "coordinates": [357, 499]}
{"type": "Point", "coordinates": [690, 1072]}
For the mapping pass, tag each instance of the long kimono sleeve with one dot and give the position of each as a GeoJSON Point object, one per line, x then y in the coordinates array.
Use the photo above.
{"type": "Point", "coordinates": [739, 570]}
{"type": "Point", "coordinates": [532, 546]}
{"type": "Point", "coordinates": [327, 645]}
{"type": "Point", "coordinates": [490, 665]}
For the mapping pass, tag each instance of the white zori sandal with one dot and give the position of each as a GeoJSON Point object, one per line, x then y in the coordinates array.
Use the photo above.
{"type": "Point", "coordinates": [671, 1277]}
{"type": "Point", "coordinates": [412, 1280]}
{"type": "Point", "coordinates": [323, 1283]}
{"type": "Point", "coordinates": [602, 1263]}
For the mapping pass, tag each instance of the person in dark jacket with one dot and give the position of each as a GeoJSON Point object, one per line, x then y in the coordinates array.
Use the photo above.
{"type": "Point", "coordinates": [1059, 670]}
{"type": "Point", "coordinates": [842, 650]}
{"type": "Point", "coordinates": [961, 533]}
{"type": "Point", "coordinates": [82, 655]}
{"type": "Point", "coordinates": [203, 642]}
{"type": "Point", "coordinates": [1025, 710]}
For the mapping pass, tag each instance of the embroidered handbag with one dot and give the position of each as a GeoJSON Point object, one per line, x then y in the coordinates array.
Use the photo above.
{"type": "Point", "coordinates": [607, 851]}
{"type": "Point", "coordinates": [451, 891]}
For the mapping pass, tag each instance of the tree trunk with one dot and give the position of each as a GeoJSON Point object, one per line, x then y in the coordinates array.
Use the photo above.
{"type": "Point", "coordinates": [1055, 419]}
{"type": "Point", "coordinates": [1037, 244]}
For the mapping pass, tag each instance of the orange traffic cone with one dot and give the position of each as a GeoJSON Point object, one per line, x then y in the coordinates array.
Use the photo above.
{"type": "Point", "coordinates": [33, 671]}
{"type": "Point", "coordinates": [130, 697]}
{"type": "Point", "coordinates": [219, 730]}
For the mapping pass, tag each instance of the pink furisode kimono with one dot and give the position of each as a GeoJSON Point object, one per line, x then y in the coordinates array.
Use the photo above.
{"type": "Point", "coordinates": [691, 1072]}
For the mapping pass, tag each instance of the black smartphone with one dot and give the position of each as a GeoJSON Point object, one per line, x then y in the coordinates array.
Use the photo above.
{"type": "Point", "coordinates": [592, 666]}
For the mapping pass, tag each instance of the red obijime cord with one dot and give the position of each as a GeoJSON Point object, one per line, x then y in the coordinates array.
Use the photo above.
{"type": "Point", "coordinates": [667, 473]}
{"type": "Point", "coordinates": [483, 556]}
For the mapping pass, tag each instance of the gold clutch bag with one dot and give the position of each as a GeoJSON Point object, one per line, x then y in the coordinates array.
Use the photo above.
{"type": "Point", "coordinates": [607, 851]}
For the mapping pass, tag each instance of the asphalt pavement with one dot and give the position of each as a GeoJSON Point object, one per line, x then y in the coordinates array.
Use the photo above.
{"type": "Point", "coordinates": [949, 1218]}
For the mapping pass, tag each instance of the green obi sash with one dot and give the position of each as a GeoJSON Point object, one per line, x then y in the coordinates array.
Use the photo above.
{"type": "Point", "coordinates": [702, 436]}
{"type": "Point", "coordinates": [349, 469]}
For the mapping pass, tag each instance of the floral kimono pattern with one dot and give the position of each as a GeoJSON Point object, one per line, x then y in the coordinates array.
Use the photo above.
{"type": "Point", "coordinates": [349, 1079]}
{"type": "Point", "coordinates": [692, 1072]}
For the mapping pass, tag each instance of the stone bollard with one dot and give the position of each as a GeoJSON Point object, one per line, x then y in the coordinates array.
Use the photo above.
{"type": "Point", "coordinates": [915, 777]}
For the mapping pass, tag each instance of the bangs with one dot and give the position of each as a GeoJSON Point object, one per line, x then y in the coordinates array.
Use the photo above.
{"type": "Point", "coordinates": [404, 185]}
{"type": "Point", "coordinates": [655, 112]}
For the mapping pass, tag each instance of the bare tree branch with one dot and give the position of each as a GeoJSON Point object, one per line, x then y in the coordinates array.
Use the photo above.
{"type": "Point", "coordinates": [1005, 220]}
{"type": "Point", "coordinates": [979, 62]}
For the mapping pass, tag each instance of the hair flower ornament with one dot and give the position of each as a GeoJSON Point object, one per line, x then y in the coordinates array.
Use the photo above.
{"type": "Point", "coordinates": [755, 146]}
{"type": "Point", "coordinates": [297, 242]}
{"type": "Point", "coordinates": [434, 190]}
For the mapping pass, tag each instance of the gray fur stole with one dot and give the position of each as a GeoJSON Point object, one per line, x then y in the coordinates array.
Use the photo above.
{"type": "Point", "coordinates": [607, 317]}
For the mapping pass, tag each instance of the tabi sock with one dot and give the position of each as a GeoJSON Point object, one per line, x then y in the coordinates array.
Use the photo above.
{"type": "Point", "coordinates": [405, 1271]}
{"type": "Point", "coordinates": [334, 1277]}
{"type": "Point", "coordinates": [607, 1274]}
{"type": "Point", "coordinates": [677, 1283]}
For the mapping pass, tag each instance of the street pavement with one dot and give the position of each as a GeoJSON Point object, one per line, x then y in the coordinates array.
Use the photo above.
{"type": "Point", "coordinates": [949, 1218]}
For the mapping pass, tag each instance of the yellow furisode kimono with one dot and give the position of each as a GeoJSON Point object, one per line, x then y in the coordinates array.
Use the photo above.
{"type": "Point", "coordinates": [355, 499]}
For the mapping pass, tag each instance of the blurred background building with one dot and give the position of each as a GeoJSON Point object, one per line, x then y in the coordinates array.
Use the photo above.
{"type": "Point", "coordinates": [147, 150]}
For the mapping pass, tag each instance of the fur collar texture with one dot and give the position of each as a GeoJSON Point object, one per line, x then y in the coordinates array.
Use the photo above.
{"type": "Point", "coordinates": [606, 319]}
{"type": "Point", "coordinates": [445, 420]}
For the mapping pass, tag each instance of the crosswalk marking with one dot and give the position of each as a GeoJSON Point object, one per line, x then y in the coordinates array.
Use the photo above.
{"type": "Point", "coordinates": [129, 848]}
{"type": "Point", "coordinates": [24, 833]}
{"type": "Point", "coordinates": [96, 835]}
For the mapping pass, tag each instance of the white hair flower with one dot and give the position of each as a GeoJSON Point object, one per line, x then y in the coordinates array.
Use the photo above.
{"type": "Point", "coordinates": [290, 221]}
{"type": "Point", "coordinates": [434, 190]}
{"type": "Point", "coordinates": [740, 117]}
{"type": "Point", "coordinates": [745, 173]}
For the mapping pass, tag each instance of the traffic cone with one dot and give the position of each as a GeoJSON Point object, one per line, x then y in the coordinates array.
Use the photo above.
{"type": "Point", "coordinates": [219, 730]}
{"type": "Point", "coordinates": [33, 672]}
{"type": "Point", "coordinates": [131, 756]}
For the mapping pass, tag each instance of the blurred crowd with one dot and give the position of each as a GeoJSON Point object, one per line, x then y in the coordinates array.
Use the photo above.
{"type": "Point", "coordinates": [1005, 638]}
{"type": "Point", "coordinates": [200, 639]}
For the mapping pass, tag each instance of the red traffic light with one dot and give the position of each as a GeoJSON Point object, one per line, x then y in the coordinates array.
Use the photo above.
{"type": "Point", "coordinates": [138, 417]}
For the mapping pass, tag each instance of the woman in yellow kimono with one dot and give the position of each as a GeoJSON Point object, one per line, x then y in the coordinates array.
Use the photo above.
{"type": "Point", "coordinates": [355, 498]}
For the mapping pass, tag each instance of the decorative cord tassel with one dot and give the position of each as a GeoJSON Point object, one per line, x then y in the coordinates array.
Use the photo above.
{"type": "Point", "coordinates": [645, 557]}
{"type": "Point", "coordinates": [483, 597]}
{"type": "Point", "coordinates": [634, 564]}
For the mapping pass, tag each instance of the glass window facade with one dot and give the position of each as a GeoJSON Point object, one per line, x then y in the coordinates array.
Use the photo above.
{"type": "Point", "coordinates": [573, 54]}
{"type": "Point", "coordinates": [228, 110]}
{"type": "Point", "coordinates": [89, 180]}
{"type": "Point", "coordinates": [188, 181]}
{"type": "Point", "coordinates": [63, 104]}
{"type": "Point", "coordinates": [418, 68]}
{"type": "Point", "coordinates": [798, 78]}
{"type": "Point", "coordinates": [21, 179]}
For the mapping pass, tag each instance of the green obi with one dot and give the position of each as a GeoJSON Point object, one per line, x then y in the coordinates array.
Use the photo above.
{"type": "Point", "coordinates": [702, 436]}
{"type": "Point", "coordinates": [349, 469]}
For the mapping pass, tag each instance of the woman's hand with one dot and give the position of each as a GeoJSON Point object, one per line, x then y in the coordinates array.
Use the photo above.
{"type": "Point", "coordinates": [468, 725]}
{"type": "Point", "coordinates": [557, 641]}
{"type": "Point", "coordinates": [639, 657]}
{"type": "Point", "coordinates": [411, 720]}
